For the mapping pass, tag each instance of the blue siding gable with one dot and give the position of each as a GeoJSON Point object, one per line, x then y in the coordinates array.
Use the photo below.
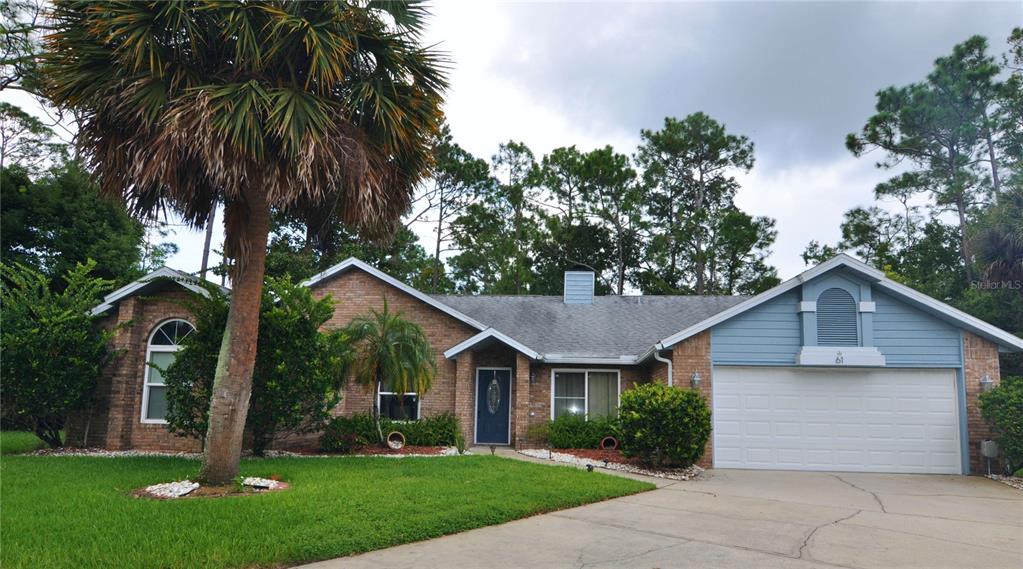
{"type": "Point", "coordinates": [767, 334]}
{"type": "Point", "coordinates": [773, 333]}
{"type": "Point", "coordinates": [909, 337]}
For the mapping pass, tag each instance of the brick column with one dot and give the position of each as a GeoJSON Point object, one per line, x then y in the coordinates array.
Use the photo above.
{"type": "Point", "coordinates": [465, 393]}
{"type": "Point", "coordinates": [126, 375]}
{"type": "Point", "coordinates": [980, 358]}
{"type": "Point", "coordinates": [520, 402]}
{"type": "Point", "coordinates": [693, 355]}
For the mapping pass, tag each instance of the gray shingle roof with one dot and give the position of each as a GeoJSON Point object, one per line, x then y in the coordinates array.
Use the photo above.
{"type": "Point", "coordinates": [610, 327]}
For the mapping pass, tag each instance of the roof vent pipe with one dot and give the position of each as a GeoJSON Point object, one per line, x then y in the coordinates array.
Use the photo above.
{"type": "Point", "coordinates": [579, 286]}
{"type": "Point", "coordinates": [662, 359]}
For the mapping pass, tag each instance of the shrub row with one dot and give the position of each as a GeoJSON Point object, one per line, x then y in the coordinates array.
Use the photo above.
{"type": "Point", "coordinates": [345, 434]}
{"type": "Point", "coordinates": [574, 431]}
{"type": "Point", "coordinates": [660, 424]}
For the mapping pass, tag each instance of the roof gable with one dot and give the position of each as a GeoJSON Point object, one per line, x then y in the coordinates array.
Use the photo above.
{"type": "Point", "coordinates": [872, 275]}
{"type": "Point", "coordinates": [352, 263]}
{"type": "Point", "coordinates": [163, 274]}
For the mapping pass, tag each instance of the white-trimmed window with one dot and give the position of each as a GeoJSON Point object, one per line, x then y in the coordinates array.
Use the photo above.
{"type": "Point", "coordinates": [588, 392]}
{"type": "Point", "coordinates": [161, 350]}
{"type": "Point", "coordinates": [397, 406]}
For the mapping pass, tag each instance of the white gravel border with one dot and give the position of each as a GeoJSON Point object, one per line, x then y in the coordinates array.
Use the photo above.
{"type": "Point", "coordinates": [102, 453]}
{"type": "Point", "coordinates": [689, 473]}
{"type": "Point", "coordinates": [1014, 481]}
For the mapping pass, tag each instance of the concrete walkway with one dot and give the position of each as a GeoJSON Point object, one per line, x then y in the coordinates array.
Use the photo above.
{"type": "Point", "coordinates": [743, 518]}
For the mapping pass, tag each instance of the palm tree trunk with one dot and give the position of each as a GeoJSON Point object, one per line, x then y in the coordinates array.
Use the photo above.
{"type": "Point", "coordinates": [376, 411]}
{"type": "Point", "coordinates": [206, 246]}
{"type": "Point", "coordinates": [232, 383]}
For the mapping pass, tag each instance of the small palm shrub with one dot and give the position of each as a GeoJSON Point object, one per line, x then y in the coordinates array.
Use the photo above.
{"type": "Point", "coordinates": [574, 431]}
{"type": "Point", "coordinates": [346, 434]}
{"type": "Point", "coordinates": [1002, 408]}
{"type": "Point", "coordinates": [664, 425]}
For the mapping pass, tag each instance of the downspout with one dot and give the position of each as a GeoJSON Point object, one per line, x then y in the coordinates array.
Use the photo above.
{"type": "Point", "coordinates": [662, 359]}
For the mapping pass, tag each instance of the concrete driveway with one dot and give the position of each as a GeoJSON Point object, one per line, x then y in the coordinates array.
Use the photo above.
{"type": "Point", "coordinates": [742, 518]}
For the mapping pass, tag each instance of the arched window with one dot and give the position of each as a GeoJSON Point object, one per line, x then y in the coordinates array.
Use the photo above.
{"type": "Point", "coordinates": [836, 319]}
{"type": "Point", "coordinates": [161, 350]}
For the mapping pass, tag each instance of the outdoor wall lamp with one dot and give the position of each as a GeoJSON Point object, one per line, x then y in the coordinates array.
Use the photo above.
{"type": "Point", "coordinates": [986, 383]}
{"type": "Point", "coordinates": [696, 379]}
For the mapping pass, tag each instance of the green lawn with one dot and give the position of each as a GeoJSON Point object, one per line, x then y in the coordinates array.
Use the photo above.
{"type": "Point", "coordinates": [17, 442]}
{"type": "Point", "coordinates": [77, 511]}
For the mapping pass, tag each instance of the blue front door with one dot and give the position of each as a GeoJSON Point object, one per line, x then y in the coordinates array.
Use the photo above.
{"type": "Point", "coordinates": [493, 403]}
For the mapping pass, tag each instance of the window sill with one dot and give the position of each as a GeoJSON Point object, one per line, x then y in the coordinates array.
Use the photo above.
{"type": "Point", "coordinates": [153, 422]}
{"type": "Point", "coordinates": [840, 356]}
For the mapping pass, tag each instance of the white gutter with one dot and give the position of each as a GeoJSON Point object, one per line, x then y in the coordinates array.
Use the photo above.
{"type": "Point", "coordinates": [662, 359]}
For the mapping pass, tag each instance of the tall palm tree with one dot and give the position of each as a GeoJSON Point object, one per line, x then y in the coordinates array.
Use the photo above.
{"type": "Point", "coordinates": [259, 105]}
{"type": "Point", "coordinates": [390, 349]}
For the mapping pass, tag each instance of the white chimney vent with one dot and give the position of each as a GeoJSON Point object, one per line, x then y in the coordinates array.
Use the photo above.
{"type": "Point", "coordinates": [579, 287]}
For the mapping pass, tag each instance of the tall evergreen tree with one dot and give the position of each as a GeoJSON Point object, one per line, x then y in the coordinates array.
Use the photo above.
{"type": "Point", "coordinates": [942, 128]}
{"type": "Point", "coordinates": [689, 169]}
{"type": "Point", "coordinates": [459, 178]}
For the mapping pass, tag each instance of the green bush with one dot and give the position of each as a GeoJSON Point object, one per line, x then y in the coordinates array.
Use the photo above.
{"type": "Point", "coordinates": [574, 431]}
{"type": "Point", "coordinates": [664, 425]}
{"type": "Point", "coordinates": [53, 352]}
{"type": "Point", "coordinates": [1002, 408]}
{"type": "Point", "coordinates": [299, 370]}
{"type": "Point", "coordinates": [345, 434]}
{"type": "Point", "coordinates": [538, 435]}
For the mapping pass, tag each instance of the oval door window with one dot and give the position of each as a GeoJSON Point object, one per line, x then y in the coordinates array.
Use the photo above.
{"type": "Point", "coordinates": [493, 396]}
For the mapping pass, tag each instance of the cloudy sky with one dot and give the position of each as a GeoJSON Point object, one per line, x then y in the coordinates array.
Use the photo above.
{"type": "Point", "coordinates": [793, 77]}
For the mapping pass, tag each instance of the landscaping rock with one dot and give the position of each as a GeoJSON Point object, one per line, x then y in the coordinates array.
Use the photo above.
{"type": "Point", "coordinates": [262, 483]}
{"type": "Point", "coordinates": [172, 489]}
{"type": "Point", "coordinates": [688, 473]}
{"type": "Point", "coordinates": [1014, 481]}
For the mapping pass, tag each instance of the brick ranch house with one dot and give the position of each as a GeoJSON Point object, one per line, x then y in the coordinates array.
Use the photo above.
{"type": "Point", "coordinates": [839, 368]}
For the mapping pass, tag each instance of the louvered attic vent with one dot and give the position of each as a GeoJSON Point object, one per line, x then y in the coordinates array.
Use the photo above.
{"type": "Point", "coordinates": [836, 319]}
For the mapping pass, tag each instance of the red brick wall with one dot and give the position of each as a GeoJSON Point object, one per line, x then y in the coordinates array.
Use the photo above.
{"type": "Point", "coordinates": [115, 419]}
{"type": "Point", "coordinates": [980, 358]}
{"type": "Point", "coordinates": [693, 355]}
{"type": "Point", "coordinates": [355, 293]}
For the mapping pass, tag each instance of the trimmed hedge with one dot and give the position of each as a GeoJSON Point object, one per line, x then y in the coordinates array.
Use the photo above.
{"type": "Point", "coordinates": [574, 431]}
{"type": "Point", "coordinates": [345, 434]}
{"type": "Point", "coordinates": [664, 425]}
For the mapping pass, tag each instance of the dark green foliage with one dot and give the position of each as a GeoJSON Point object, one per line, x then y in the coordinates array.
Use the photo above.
{"type": "Point", "coordinates": [58, 220]}
{"type": "Point", "coordinates": [346, 434]}
{"type": "Point", "coordinates": [664, 425]}
{"type": "Point", "coordinates": [389, 348]}
{"type": "Point", "coordinates": [700, 242]}
{"type": "Point", "coordinates": [1002, 408]}
{"type": "Point", "coordinates": [299, 369]}
{"type": "Point", "coordinates": [294, 250]}
{"type": "Point", "coordinates": [574, 431]}
{"type": "Point", "coordinates": [53, 353]}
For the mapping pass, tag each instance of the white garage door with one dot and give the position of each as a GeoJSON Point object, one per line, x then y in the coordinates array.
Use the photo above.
{"type": "Point", "coordinates": [843, 420]}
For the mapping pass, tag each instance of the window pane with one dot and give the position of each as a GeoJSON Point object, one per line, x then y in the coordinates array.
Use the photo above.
{"type": "Point", "coordinates": [569, 406]}
{"type": "Point", "coordinates": [157, 408]}
{"type": "Point", "coordinates": [160, 361]}
{"type": "Point", "coordinates": [399, 407]}
{"type": "Point", "coordinates": [569, 384]}
{"type": "Point", "coordinates": [603, 395]}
